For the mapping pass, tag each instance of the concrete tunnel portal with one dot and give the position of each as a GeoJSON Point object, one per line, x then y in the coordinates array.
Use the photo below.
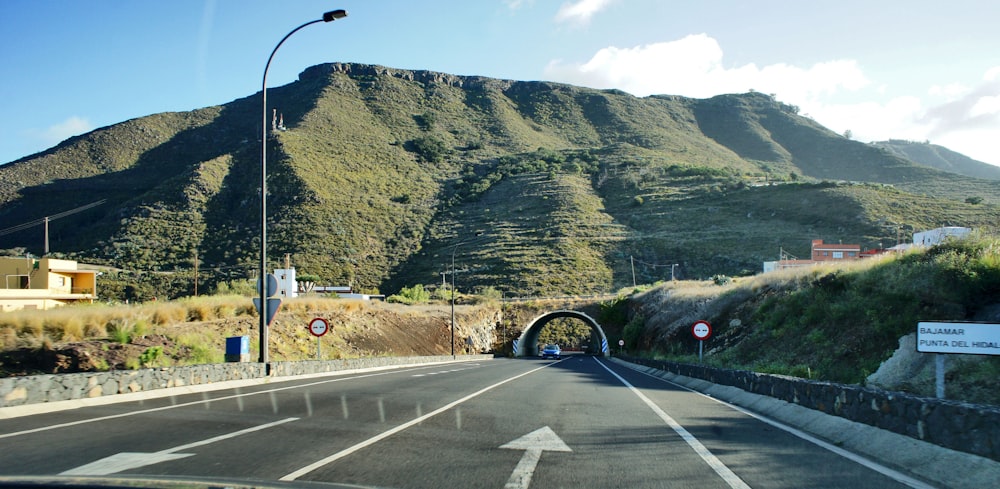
{"type": "Point", "coordinates": [527, 344]}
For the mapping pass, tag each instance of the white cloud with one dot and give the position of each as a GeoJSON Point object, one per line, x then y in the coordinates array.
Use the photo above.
{"type": "Point", "coordinates": [581, 11]}
{"type": "Point", "coordinates": [986, 106]}
{"type": "Point", "coordinates": [955, 115]}
{"type": "Point", "coordinates": [57, 133]}
{"type": "Point", "coordinates": [873, 121]}
{"type": "Point", "coordinates": [31, 140]}
{"type": "Point", "coordinates": [693, 67]}
{"type": "Point", "coordinates": [992, 74]}
{"type": "Point", "coordinates": [950, 91]}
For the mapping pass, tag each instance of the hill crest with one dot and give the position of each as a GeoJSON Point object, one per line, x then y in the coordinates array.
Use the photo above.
{"type": "Point", "coordinates": [384, 174]}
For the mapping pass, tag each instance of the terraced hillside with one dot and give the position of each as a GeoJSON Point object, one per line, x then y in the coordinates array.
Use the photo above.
{"type": "Point", "coordinates": [382, 176]}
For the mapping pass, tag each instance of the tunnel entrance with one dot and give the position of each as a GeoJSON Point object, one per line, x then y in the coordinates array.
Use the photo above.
{"type": "Point", "coordinates": [527, 344]}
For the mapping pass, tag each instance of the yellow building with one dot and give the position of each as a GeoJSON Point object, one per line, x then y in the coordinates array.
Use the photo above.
{"type": "Point", "coordinates": [44, 283]}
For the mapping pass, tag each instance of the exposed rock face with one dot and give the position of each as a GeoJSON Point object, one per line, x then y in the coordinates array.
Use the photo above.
{"type": "Point", "coordinates": [421, 76]}
{"type": "Point", "coordinates": [906, 367]}
{"type": "Point", "coordinates": [911, 371]}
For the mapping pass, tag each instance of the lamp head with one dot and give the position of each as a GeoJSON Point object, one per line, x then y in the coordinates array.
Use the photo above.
{"type": "Point", "coordinates": [334, 15]}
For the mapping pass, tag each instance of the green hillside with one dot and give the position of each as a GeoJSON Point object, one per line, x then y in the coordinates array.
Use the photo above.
{"type": "Point", "coordinates": [384, 175]}
{"type": "Point", "coordinates": [939, 157]}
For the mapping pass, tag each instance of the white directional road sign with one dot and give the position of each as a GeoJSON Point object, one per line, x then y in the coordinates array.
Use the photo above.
{"type": "Point", "coordinates": [965, 338]}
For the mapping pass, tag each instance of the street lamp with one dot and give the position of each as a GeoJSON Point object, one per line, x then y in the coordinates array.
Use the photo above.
{"type": "Point", "coordinates": [264, 293]}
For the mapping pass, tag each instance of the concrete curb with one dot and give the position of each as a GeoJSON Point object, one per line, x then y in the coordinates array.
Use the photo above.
{"type": "Point", "coordinates": [50, 407]}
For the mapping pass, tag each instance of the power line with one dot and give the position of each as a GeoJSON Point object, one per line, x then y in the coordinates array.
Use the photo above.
{"type": "Point", "coordinates": [14, 229]}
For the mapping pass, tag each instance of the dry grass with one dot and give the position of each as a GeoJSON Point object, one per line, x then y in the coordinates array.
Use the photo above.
{"type": "Point", "coordinates": [31, 329]}
{"type": "Point", "coordinates": [676, 305]}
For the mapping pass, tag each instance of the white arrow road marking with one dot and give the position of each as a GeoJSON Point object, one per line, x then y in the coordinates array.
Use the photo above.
{"type": "Point", "coordinates": [132, 460]}
{"type": "Point", "coordinates": [533, 444]}
{"type": "Point", "coordinates": [386, 434]}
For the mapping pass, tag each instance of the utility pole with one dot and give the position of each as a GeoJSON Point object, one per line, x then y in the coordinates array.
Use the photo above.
{"type": "Point", "coordinates": [632, 262]}
{"type": "Point", "coordinates": [196, 273]}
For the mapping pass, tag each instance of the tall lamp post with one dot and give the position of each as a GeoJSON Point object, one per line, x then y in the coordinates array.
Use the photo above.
{"type": "Point", "coordinates": [264, 293]}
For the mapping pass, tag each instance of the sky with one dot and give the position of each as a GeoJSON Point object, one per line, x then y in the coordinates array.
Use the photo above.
{"type": "Point", "coordinates": [917, 70]}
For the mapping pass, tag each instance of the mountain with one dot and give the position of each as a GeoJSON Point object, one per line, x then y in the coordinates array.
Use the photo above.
{"type": "Point", "coordinates": [385, 178]}
{"type": "Point", "coordinates": [939, 157]}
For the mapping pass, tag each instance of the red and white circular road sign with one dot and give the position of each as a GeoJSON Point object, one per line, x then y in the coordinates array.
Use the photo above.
{"type": "Point", "coordinates": [701, 330]}
{"type": "Point", "coordinates": [319, 327]}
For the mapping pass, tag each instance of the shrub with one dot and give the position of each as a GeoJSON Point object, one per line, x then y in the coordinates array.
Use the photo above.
{"type": "Point", "coordinates": [721, 280]}
{"type": "Point", "coordinates": [199, 312]}
{"type": "Point", "coordinates": [245, 288]}
{"type": "Point", "coordinates": [411, 295]}
{"type": "Point", "coordinates": [168, 313]}
{"type": "Point", "coordinates": [120, 331]}
{"type": "Point", "coordinates": [73, 329]}
{"type": "Point", "coordinates": [633, 331]}
{"type": "Point", "coordinates": [150, 356]}
{"type": "Point", "coordinates": [430, 148]}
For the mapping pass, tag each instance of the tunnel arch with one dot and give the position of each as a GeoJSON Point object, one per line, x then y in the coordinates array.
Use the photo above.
{"type": "Point", "coordinates": [527, 343]}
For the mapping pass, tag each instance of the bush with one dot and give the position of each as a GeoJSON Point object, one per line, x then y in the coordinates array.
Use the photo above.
{"type": "Point", "coordinates": [120, 331]}
{"type": "Point", "coordinates": [150, 356]}
{"type": "Point", "coordinates": [721, 280]}
{"type": "Point", "coordinates": [430, 148]}
{"type": "Point", "coordinates": [633, 331]}
{"type": "Point", "coordinates": [410, 295]}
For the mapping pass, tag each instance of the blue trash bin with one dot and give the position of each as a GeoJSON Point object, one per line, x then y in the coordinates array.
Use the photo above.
{"type": "Point", "coordinates": [238, 349]}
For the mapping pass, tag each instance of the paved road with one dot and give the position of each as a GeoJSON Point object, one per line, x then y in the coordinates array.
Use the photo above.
{"type": "Point", "coordinates": [514, 423]}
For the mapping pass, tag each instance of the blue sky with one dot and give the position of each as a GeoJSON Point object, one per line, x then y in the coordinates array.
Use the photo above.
{"type": "Point", "coordinates": [914, 69]}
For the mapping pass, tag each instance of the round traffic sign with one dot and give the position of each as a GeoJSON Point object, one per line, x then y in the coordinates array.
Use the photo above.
{"type": "Point", "coordinates": [272, 285]}
{"type": "Point", "coordinates": [621, 342]}
{"type": "Point", "coordinates": [319, 327]}
{"type": "Point", "coordinates": [701, 330]}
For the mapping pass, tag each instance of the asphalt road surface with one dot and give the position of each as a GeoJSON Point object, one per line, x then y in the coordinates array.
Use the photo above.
{"type": "Point", "coordinates": [579, 422]}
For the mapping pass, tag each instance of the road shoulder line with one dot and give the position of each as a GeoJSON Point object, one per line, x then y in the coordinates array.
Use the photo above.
{"type": "Point", "coordinates": [930, 462]}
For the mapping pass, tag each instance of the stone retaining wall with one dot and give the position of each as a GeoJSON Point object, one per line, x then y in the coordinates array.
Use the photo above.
{"type": "Point", "coordinates": [17, 391]}
{"type": "Point", "coordinates": [970, 428]}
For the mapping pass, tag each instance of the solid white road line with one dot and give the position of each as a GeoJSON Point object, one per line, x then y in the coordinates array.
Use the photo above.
{"type": "Point", "coordinates": [727, 475]}
{"type": "Point", "coordinates": [886, 471]}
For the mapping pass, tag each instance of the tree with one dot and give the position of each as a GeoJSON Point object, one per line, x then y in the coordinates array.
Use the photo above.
{"type": "Point", "coordinates": [848, 134]}
{"type": "Point", "coordinates": [307, 282]}
{"type": "Point", "coordinates": [430, 148]}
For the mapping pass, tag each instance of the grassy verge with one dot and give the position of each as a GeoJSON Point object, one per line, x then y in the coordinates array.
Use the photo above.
{"type": "Point", "coordinates": [833, 323]}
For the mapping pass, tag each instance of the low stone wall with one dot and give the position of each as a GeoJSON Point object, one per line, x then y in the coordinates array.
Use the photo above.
{"type": "Point", "coordinates": [970, 428]}
{"type": "Point", "coordinates": [17, 391]}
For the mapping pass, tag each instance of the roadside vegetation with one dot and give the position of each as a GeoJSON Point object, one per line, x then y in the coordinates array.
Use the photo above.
{"type": "Point", "coordinates": [833, 323]}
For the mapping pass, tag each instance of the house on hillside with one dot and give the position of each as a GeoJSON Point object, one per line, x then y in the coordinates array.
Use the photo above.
{"type": "Point", "coordinates": [939, 235]}
{"type": "Point", "coordinates": [832, 252]}
{"type": "Point", "coordinates": [44, 283]}
{"type": "Point", "coordinates": [821, 253]}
